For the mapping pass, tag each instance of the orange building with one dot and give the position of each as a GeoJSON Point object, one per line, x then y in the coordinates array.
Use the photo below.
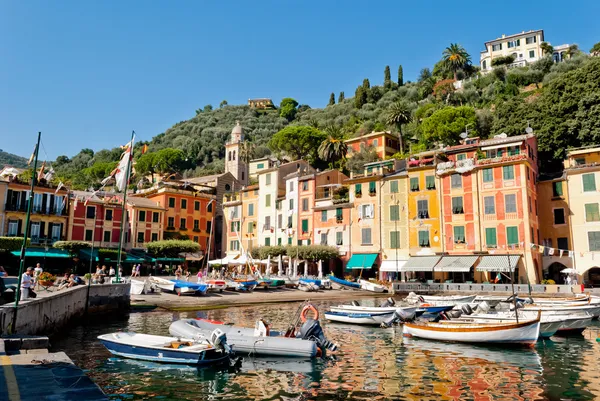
{"type": "Point", "coordinates": [385, 144]}
{"type": "Point", "coordinates": [188, 210]}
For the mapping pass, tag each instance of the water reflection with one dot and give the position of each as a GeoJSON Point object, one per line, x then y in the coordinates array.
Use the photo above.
{"type": "Point", "coordinates": [372, 364]}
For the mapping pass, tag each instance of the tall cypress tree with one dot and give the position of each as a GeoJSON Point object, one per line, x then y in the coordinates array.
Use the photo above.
{"type": "Point", "coordinates": [341, 97]}
{"type": "Point", "coordinates": [366, 84]}
{"type": "Point", "coordinates": [387, 77]}
{"type": "Point", "coordinates": [331, 99]}
{"type": "Point", "coordinates": [400, 75]}
{"type": "Point", "coordinates": [360, 97]}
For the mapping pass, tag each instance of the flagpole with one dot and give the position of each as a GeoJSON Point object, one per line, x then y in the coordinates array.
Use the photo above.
{"type": "Point", "coordinates": [123, 211]}
{"type": "Point", "coordinates": [87, 296]}
{"type": "Point", "coordinates": [27, 232]}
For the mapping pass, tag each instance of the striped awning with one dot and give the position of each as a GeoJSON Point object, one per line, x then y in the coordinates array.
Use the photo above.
{"type": "Point", "coordinates": [461, 264]}
{"type": "Point", "coordinates": [392, 266]}
{"type": "Point", "coordinates": [498, 263]}
{"type": "Point", "coordinates": [421, 264]}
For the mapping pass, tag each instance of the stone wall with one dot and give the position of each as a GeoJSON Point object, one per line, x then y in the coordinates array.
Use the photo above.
{"type": "Point", "coordinates": [47, 315]}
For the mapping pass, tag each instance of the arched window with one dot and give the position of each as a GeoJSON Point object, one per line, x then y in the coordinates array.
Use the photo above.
{"type": "Point", "coordinates": [484, 65]}
{"type": "Point", "coordinates": [234, 155]}
{"type": "Point", "coordinates": [229, 156]}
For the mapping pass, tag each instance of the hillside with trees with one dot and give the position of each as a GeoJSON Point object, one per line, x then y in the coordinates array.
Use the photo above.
{"type": "Point", "coordinates": [8, 159]}
{"type": "Point", "coordinates": [560, 101]}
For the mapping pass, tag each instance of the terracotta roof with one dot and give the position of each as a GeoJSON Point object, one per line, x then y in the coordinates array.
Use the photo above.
{"type": "Point", "coordinates": [143, 202]}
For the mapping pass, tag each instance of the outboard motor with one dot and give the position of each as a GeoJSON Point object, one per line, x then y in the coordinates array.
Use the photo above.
{"type": "Point", "coordinates": [519, 306]}
{"type": "Point", "coordinates": [388, 302]}
{"type": "Point", "coordinates": [219, 340]}
{"type": "Point", "coordinates": [454, 314]}
{"type": "Point", "coordinates": [401, 316]}
{"type": "Point", "coordinates": [483, 307]}
{"type": "Point", "coordinates": [529, 301]}
{"type": "Point", "coordinates": [467, 310]}
{"type": "Point", "coordinates": [311, 330]}
{"type": "Point", "coordinates": [355, 303]}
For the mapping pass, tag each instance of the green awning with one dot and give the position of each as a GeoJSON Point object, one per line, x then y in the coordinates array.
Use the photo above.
{"type": "Point", "coordinates": [179, 260]}
{"type": "Point", "coordinates": [86, 253]}
{"type": "Point", "coordinates": [42, 253]}
{"type": "Point", "coordinates": [362, 261]}
{"type": "Point", "coordinates": [142, 255]}
{"type": "Point", "coordinates": [129, 259]}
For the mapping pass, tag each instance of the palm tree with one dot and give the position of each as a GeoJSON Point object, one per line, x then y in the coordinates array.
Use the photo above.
{"type": "Point", "coordinates": [546, 48]}
{"type": "Point", "coordinates": [455, 58]}
{"type": "Point", "coordinates": [397, 115]}
{"type": "Point", "coordinates": [573, 50]}
{"type": "Point", "coordinates": [333, 149]}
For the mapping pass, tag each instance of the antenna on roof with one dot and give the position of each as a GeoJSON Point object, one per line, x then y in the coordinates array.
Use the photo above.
{"type": "Point", "coordinates": [529, 130]}
{"type": "Point", "coordinates": [464, 135]}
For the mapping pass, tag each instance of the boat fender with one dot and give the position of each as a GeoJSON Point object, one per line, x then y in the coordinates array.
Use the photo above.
{"type": "Point", "coordinates": [483, 307]}
{"type": "Point", "coordinates": [421, 299]}
{"type": "Point", "coordinates": [467, 310]}
{"type": "Point", "coordinates": [309, 308]}
{"type": "Point", "coordinates": [425, 305]}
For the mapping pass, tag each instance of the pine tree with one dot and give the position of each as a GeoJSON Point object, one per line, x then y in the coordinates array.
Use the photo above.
{"type": "Point", "coordinates": [387, 77]}
{"type": "Point", "coordinates": [341, 97]}
{"type": "Point", "coordinates": [366, 84]}
{"type": "Point", "coordinates": [400, 76]}
{"type": "Point", "coordinates": [360, 97]}
{"type": "Point", "coordinates": [331, 99]}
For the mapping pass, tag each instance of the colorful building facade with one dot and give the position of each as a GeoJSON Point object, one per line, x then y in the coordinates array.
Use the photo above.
{"type": "Point", "coordinates": [384, 143]}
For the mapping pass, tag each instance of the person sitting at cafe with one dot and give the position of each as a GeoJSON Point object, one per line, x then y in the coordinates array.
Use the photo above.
{"type": "Point", "coordinates": [71, 282]}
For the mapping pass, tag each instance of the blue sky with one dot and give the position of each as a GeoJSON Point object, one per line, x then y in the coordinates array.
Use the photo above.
{"type": "Point", "coordinates": [86, 73]}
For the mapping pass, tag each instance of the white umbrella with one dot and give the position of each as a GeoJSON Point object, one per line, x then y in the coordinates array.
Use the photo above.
{"type": "Point", "coordinates": [268, 270]}
{"type": "Point", "coordinates": [279, 266]}
{"type": "Point", "coordinates": [569, 271]}
{"type": "Point", "coordinates": [320, 269]}
{"type": "Point", "coordinates": [305, 268]}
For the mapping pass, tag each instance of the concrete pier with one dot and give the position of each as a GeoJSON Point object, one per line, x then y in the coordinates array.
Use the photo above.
{"type": "Point", "coordinates": [29, 373]}
{"type": "Point", "coordinates": [53, 310]}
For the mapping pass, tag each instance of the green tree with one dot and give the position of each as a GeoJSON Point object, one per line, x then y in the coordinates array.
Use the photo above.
{"type": "Point", "coordinates": [287, 108]}
{"type": "Point", "coordinates": [223, 104]}
{"type": "Point", "coordinates": [360, 97]}
{"type": "Point", "coordinates": [73, 247]}
{"type": "Point", "coordinates": [503, 60]}
{"type": "Point", "coordinates": [172, 248]}
{"type": "Point", "coordinates": [455, 58]}
{"type": "Point", "coordinates": [397, 115]}
{"type": "Point", "coordinates": [357, 161]}
{"type": "Point", "coordinates": [11, 243]}
{"type": "Point", "coordinates": [298, 142]}
{"type": "Point", "coordinates": [547, 48]}
{"type": "Point", "coordinates": [165, 161]}
{"type": "Point", "coordinates": [247, 151]}
{"type": "Point", "coordinates": [207, 108]}
{"type": "Point", "coordinates": [400, 75]}
{"type": "Point", "coordinates": [387, 78]}
{"type": "Point", "coordinates": [331, 99]}
{"type": "Point", "coordinates": [333, 149]}
{"type": "Point", "coordinates": [595, 50]}
{"type": "Point", "coordinates": [445, 125]}
{"type": "Point", "coordinates": [366, 84]}
{"type": "Point", "coordinates": [341, 97]}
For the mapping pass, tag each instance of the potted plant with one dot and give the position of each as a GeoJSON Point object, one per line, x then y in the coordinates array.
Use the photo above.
{"type": "Point", "coordinates": [46, 279]}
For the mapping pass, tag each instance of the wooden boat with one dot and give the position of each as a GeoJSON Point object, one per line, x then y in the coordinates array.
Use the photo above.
{"type": "Point", "coordinates": [162, 349]}
{"type": "Point", "coordinates": [526, 332]}
{"type": "Point", "coordinates": [372, 309]}
{"type": "Point", "coordinates": [366, 318]}
{"type": "Point", "coordinates": [447, 299]}
{"type": "Point", "coordinates": [593, 310]}
{"type": "Point", "coordinates": [277, 283]}
{"type": "Point", "coordinates": [373, 287]}
{"type": "Point", "coordinates": [343, 283]}
{"type": "Point", "coordinates": [549, 325]}
{"type": "Point", "coordinates": [263, 284]}
{"type": "Point", "coordinates": [163, 284]}
{"type": "Point", "coordinates": [561, 301]}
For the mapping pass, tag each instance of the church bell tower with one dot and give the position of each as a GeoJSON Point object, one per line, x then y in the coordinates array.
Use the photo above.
{"type": "Point", "coordinates": [233, 162]}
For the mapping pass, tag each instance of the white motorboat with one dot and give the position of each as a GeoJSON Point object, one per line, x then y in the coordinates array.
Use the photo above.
{"type": "Point", "coordinates": [145, 347]}
{"type": "Point", "coordinates": [215, 285]}
{"type": "Point", "coordinates": [526, 332]}
{"type": "Point", "coordinates": [549, 325]}
{"type": "Point", "coordinates": [163, 284]}
{"type": "Point", "coordinates": [445, 299]}
{"type": "Point", "coordinates": [593, 310]}
{"type": "Point", "coordinates": [373, 287]}
{"type": "Point", "coordinates": [139, 287]}
{"type": "Point", "coordinates": [367, 318]}
{"type": "Point", "coordinates": [308, 340]}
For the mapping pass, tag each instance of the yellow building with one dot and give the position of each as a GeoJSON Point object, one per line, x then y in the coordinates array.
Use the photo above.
{"type": "Point", "coordinates": [582, 169]}
{"type": "Point", "coordinates": [249, 235]}
{"type": "Point", "coordinates": [3, 187]}
{"type": "Point", "coordinates": [555, 225]}
{"type": "Point", "coordinates": [394, 224]}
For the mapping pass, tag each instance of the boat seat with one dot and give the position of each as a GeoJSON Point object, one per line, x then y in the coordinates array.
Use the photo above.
{"type": "Point", "coordinates": [177, 344]}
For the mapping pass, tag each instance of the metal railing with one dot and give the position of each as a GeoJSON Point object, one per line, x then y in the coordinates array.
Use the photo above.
{"type": "Point", "coordinates": [399, 287]}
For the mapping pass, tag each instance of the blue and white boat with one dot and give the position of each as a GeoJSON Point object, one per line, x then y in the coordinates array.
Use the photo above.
{"type": "Point", "coordinates": [163, 349]}
{"type": "Point", "coordinates": [367, 318]}
{"type": "Point", "coordinates": [344, 283]}
{"type": "Point", "coordinates": [310, 281]}
{"type": "Point", "coordinates": [187, 288]}
{"type": "Point", "coordinates": [434, 309]}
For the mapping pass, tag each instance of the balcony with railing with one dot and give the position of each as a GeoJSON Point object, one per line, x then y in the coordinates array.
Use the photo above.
{"type": "Point", "coordinates": [232, 198]}
{"type": "Point", "coordinates": [56, 211]}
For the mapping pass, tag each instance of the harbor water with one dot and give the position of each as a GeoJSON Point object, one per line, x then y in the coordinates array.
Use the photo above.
{"type": "Point", "coordinates": [371, 364]}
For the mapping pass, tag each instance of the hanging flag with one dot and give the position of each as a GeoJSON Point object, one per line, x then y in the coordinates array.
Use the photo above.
{"type": "Point", "coordinates": [75, 204]}
{"type": "Point", "coordinates": [541, 248]}
{"type": "Point", "coordinates": [49, 175]}
{"type": "Point", "coordinates": [550, 251]}
{"type": "Point", "coordinates": [144, 149]}
{"type": "Point", "coordinates": [58, 188]}
{"type": "Point", "coordinates": [41, 172]}
{"type": "Point", "coordinates": [32, 156]}
{"type": "Point", "coordinates": [560, 253]}
{"type": "Point", "coordinates": [124, 164]}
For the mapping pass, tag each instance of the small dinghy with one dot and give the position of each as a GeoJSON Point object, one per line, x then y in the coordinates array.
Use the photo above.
{"type": "Point", "coordinates": [163, 349]}
{"type": "Point", "coordinates": [187, 288]}
{"type": "Point", "coordinates": [263, 284]}
{"type": "Point", "coordinates": [215, 285]}
{"type": "Point", "coordinates": [308, 286]}
{"type": "Point", "coordinates": [163, 284]}
{"type": "Point", "coordinates": [305, 340]}
{"type": "Point", "coordinates": [366, 318]}
{"type": "Point", "coordinates": [373, 287]}
{"type": "Point", "coordinates": [277, 283]}
{"type": "Point", "coordinates": [446, 299]}
{"type": "Point", "coordinates": [343, 283]}
{"type": "Point", "coordinates": [139, 287]}
{"type": "Point", "coordinates": [524, 332]}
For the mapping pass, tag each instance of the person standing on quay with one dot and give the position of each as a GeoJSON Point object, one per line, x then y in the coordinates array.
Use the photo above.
{"type": "Point", "coordinates": [26, 283]}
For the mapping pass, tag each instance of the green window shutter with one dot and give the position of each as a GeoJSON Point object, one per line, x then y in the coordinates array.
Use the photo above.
{"type": "Point", "coordinates": [372, 187]}
{"type": "Point", "coordinates": [394, 239]}
{"type": "Point", "coordinates": [268, 179]}
{"type": "Point", "coordinates": [589, 182]}
{"type": "Point", "coordinates": [488, 175]}
{"type": "Point", "coordinates": [260, 165]}
{"type": "Point", "coordinates": [358, 188]}
{"type": "Point", "coordinates": [508, 172]}
{"type": "Point", "coordinates": [268, 200]}
{"type": "Point", "coordinates": [557, 188]}
{"type": "Point", "coordinates": [423, 238]}
{"type": "Point", "coordinates": [457, 205]}
{"type": "Point", "coordinates": [394, 186]}
{"type": "Point", "coordinates": [430, 182]}
{"type": "Point", "coordinates": [339, 213]}
{"type": "Point", "coordinates": [251, 209]}
{"type": "Point", "coordinates": [250, 228]}
{"type": "Point", "coordinates": [290, 241]}
{"type": "Point", "coordinates": [305, 226]}
{"type": "Point", "coordinates": [394, 212]}
{"type": "Point", "coordinates": [268, 241]}
{"type": "Point", "coordinates": [512, 235]}
{"type": "Point", "coordinates": [594, 240]}
{"type": "Point", "coordinates": [366, 236]}
{"type": "Point", "coordinates": [278, 241]}
{"type": "Point", "coordinates": [414, 184]}
{"type": "Point", "coordinates": [323, 215]}
{"type": "Point", "coordinates": [592, 212]}
{"type": "Point", "coordinates": [339, 238]}
{"type": "Point", "coordinates": [459, 234]}
{"type": "Point", "coordinates": [490, 237]}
